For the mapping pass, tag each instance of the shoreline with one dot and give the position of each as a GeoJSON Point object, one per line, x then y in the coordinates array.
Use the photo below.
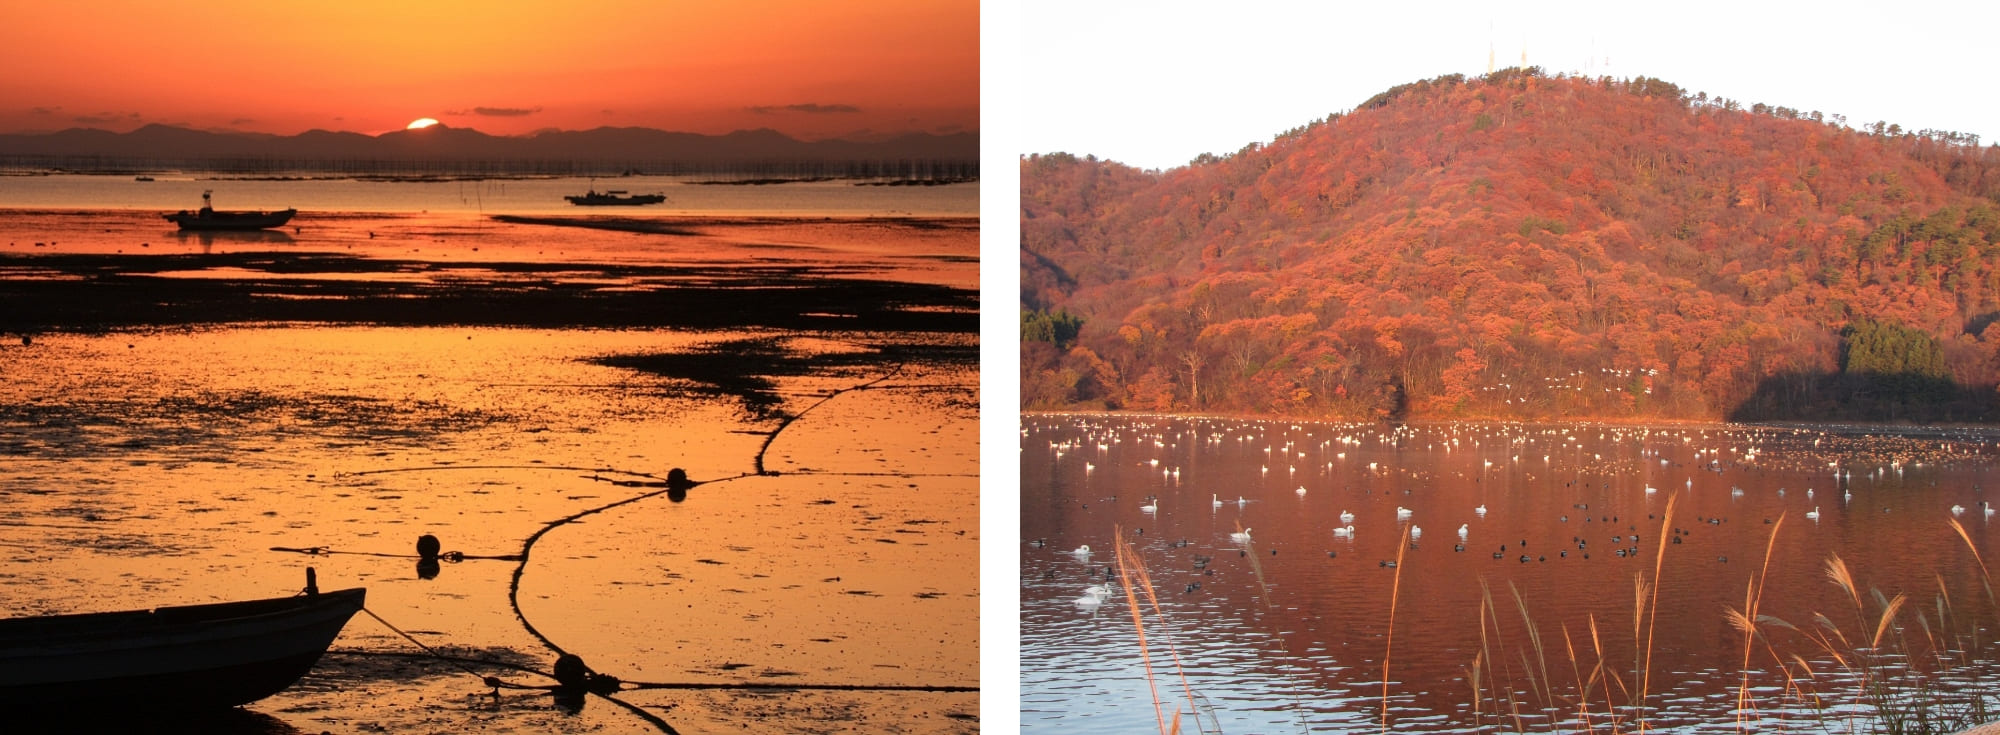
{"type": "Point", "coordinates": [1845, 428]}
{"type": "Point", "coordinates": [94, 271]}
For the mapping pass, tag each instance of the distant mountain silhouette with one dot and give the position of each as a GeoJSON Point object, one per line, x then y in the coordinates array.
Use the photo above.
{"type": "Point", "coordinates": [445, 148]}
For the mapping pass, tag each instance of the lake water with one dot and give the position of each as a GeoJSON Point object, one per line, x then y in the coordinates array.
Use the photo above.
{"type": "Point", "coordinates": [1288, 630]}
{"type": "Point", "coordinates": [186, 407]}
{"type": "Point", "coordinates": [170, 192]}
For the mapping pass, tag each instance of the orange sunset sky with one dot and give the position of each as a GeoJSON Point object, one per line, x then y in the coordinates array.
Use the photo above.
{"type": "Point", "coordinates": [806, 68]}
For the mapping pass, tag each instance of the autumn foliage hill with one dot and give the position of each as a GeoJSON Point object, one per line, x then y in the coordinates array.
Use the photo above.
{"type": "Point", "coordinates": [1522, 246]}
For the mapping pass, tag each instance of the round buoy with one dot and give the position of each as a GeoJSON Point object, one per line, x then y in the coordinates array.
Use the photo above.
{"type": "Point", "coordinates": [427, 547]}
{"type": "Point", "coordinates": [571, 673]}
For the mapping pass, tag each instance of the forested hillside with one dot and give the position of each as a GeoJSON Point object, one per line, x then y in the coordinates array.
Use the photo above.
{"type": "Point", "coordinates": [1526, 246]}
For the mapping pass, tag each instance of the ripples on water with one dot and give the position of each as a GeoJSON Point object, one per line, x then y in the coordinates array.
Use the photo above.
{"type": "Point", "coordinates": [1287, 633]}
{"type": "Point", "coordinates": [146, 462]}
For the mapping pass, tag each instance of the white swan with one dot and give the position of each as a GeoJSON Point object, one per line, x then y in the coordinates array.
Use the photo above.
{"type": "Point", "coordinates": [1098, 591]}
{"type": "Point", "coordinates": [1149, 508]}
{"type": "Point", "coordinates": [1464, 529]}
{"type": "Point", "coordinates": [1240, 501]}
{"type": "Point", "coordinates": [1241, 537]}
{"type": "Point", "coordinates": [1083, 550]}
{"type": "Point", "coordinates": [1416, 533]}
{"type": "Point", "coordinates": [1214, 502]}
{"type": "Point", "coordinates": [1302, 491]}
{"type": "Point", "coordinates": [1480, 511]}
{"type": "Point", "coordinates": [1089, 601]}
{"type": "Point", "coordinates": [1347, 532]}
{"type": "Point", "coordinates": [1402, 513]}
{"type": "Point", "coordinates": [1650, 489]}
{"type": "Point", "coordinates": [1813, 515]}
{"type": "Point", "coordinates": [1346, 517]}
{"type": "Point", "coordinates": [1957, 509]}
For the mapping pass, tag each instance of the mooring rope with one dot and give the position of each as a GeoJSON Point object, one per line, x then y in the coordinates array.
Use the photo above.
{"type": "Point", "coordinates": [435, 468]}
{"type": "Point", "coordinates": [497, 683]}
{"type": "Point", "coordinates": [665, 486]}
{"type": "Point", "coordinates": [514, 586]}
{"type": "Point", "coordinates": [450, 556]}
{"type": "Point", "coordinates": [758, 463]}
{"type": "Point", "coordinates": [491, 681]}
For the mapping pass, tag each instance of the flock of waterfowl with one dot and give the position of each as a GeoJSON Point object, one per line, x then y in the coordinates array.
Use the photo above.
{"type": "Point", "coordinates": [1629, 469]}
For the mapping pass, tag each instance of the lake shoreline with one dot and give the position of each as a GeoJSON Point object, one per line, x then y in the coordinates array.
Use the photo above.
{"type": "Point", "coordinates": [1991, 431]}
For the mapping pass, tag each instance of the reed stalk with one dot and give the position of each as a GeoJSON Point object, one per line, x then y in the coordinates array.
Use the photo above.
{"type": "Point", "coordinates": [1746, 621]}
{"type": "Point", "coordinates": [1138, 625]}
{"type": "Point", "coordinates": [1653, 608]}
{"type": "Point", "coordinates": [1389, 646]}
{"type": "Point", "coordinates": [1146, 584]}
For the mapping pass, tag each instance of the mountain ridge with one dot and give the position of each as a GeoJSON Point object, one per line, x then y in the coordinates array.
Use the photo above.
{"type": "Point", "coordinates": [157, 144]}
{"type": "Point", "coordinates": [1630, 249]}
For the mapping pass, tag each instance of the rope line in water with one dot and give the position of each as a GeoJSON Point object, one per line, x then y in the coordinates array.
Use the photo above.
{"type": "Point", "coordinates": [440, 656]}
{"type": "Point", "coordinates": [782, 425]}
{"type": "Point", "coordinates": [492, 681]}
{"type": "Point", "coordinates": [638, 685]}
{"type": "Point", "coordinates": [435, 468]}
{"type": "Point", "coordinates": [521, 560]}
{"type": "Point", "coordinates": [497, 683]}
{"type": "Point", "coordinates": [450, 556]}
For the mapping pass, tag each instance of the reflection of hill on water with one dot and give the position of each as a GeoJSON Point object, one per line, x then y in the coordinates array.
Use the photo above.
{"type": "Point", "coordinates": [1897, 397]}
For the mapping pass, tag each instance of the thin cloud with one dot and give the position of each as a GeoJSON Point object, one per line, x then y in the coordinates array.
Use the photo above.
{"type": "Point", "coordinates": [104, 118]}
{"type": "Point", "coordinates": [497, 111]}
{"type": "Point", "coordinates": [809, 108]}
{"type": "Point", "coordinates": [45, 110]}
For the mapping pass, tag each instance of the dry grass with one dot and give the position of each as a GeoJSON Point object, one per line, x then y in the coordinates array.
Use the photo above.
{"type": "Point", "coordinates": [1889, 658]}
{"type": "Point", "coordinates": [1395, 591]}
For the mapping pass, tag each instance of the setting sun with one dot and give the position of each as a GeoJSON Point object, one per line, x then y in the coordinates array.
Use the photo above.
{"type": "Point", "coordinates": [422, 122]}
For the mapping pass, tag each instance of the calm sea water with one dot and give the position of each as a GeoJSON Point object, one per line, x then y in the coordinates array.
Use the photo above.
{"type": "Point", "coordinates": [174, 192]}
{"type": "Point", "coordinates": [169, 465]}
{"type": "Point", "coordinates": [1288, 628]}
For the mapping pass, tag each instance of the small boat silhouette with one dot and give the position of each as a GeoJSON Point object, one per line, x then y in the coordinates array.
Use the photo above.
{"type": "Point", "coordinates": [614, 197]}
{"type": "Point", "coordinates": [207, 218]}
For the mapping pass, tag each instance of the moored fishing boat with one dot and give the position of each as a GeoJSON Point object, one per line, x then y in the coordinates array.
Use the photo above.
{"type": "Point", "coordinates": [207, 218]}
{"type": "Point", "coordinates": [188, 658]}
{"type": "Point", "coordinates": [615, 197]}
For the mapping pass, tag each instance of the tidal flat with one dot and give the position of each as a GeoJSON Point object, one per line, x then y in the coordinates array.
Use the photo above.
{"type": "Point", "coordinates": [195, 418]}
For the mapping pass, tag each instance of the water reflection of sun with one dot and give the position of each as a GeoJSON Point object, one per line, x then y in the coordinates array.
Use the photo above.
{"type": "Point", "coordinates": [422, 122]}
